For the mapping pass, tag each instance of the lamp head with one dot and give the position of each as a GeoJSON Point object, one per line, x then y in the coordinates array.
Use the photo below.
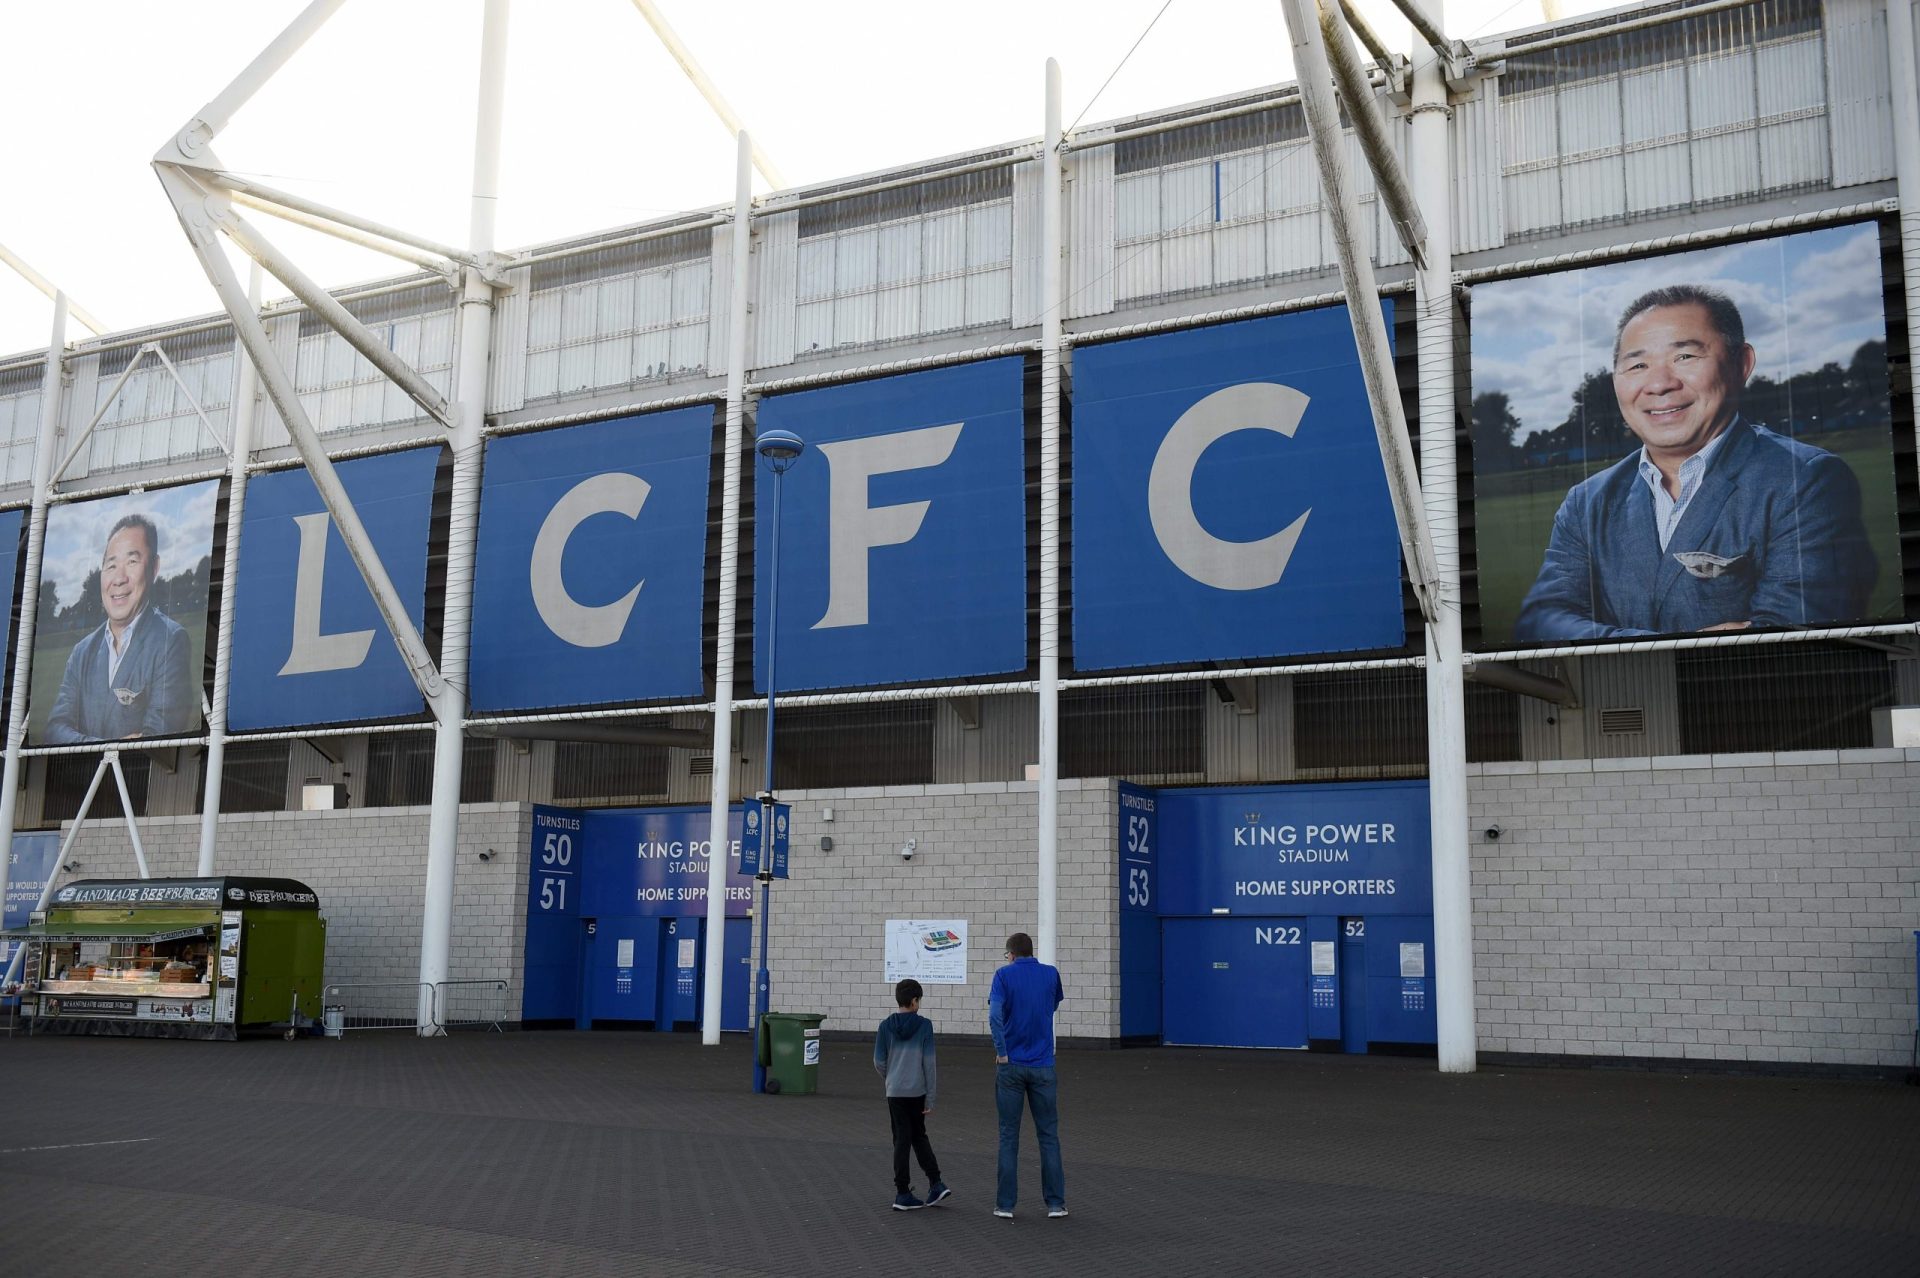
{"type": "Point", "coordinates": [781, 448]}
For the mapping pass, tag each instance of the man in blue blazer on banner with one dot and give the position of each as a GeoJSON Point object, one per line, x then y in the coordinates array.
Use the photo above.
{"type": "Point", "coordinates": [132, 677]}
{"type": "Point", "coordinates": [1715, 523]}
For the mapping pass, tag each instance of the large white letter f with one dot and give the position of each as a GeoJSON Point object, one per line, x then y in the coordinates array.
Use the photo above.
{"type": "Point", "coordinates": [854, 527]}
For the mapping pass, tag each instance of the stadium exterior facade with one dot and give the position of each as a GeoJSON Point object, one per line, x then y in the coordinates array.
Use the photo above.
{"type": "Point", "coordinates": [1702, 848]}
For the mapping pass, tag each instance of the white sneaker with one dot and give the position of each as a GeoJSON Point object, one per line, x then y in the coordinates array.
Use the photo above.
{"type": "Point", "coordinates": [1004, 1215]}
{"type": "Point", "coordinates": [1055, 1213]}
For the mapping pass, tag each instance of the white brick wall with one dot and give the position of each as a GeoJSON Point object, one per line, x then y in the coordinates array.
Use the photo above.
{"type": "Point", "coordinates": [975, 860]}
{"type": "Point", "coordinates": [368, 866]}
{"type": "Point", "coordinates": [1732, 907]}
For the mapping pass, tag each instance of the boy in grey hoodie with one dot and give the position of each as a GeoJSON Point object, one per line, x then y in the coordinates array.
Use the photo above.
{"type": "Point", "coordinates": [903, 1055]}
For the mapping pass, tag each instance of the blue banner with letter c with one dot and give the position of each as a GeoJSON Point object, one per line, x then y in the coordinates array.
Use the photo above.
{"type": "Point", "coordinates": [1228, 497]}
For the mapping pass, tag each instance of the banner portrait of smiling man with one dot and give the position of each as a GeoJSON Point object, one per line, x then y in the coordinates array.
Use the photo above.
{"type": "Point", "coordinates": [123, 617]}
{"type": "Point", "coordinates": [1684, 444]}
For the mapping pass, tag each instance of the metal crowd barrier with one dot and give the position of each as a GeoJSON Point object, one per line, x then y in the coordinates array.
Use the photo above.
{"type": "Point", "coordinates": [373, 1005]}
{"type": "Point", "coordinates": [470, 1005]}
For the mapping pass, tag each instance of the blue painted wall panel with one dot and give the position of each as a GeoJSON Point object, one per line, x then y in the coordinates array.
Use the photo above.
{"type": "Point", "coordinates": [363, 675]}
{"type": "Point", "coordinates": [1236, 982]}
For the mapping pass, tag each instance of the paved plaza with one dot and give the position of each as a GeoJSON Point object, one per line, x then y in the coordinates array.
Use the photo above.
{"type": "Point", "coordinates": [636, 1153]}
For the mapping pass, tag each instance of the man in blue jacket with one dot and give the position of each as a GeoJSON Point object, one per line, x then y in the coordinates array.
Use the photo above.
{"type": "Point", "coordinates": [1020, 1012]}
{"type": "Point", "coordinates": [1715, 523]}
{"type": "Point", "coordinates": [133, 677]}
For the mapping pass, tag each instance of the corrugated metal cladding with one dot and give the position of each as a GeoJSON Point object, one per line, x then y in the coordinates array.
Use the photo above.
{"type": "Point", "coordinates": [341, 391]}
{"type": "Point", "coordinates": [151, 420]}
{"type": "Point", "coordinates": [512, 309]}
{"type": "Point", "coordinates": [896, 264]}
{"type": "Point", "coordinates": [775, 281]}
{"type": "Point", "coordinates": [19, 421]}
{"type": "Point", "coordinates": [719, 293]}
{"type": "Point", "coordinates": [984, 738]}
{"type": "Point", "coordinates": [619, 316]}
{"type": "Point", "coordinates": [1479, 211]}
{"type": "Point", "coordinates": [1693, 113]}
{"type": "Point", "coordinates": [269, 431]}
{"type": "Point", "coordinates": [1640, 681]}
{"type": "Point", "coordinates": [1230, 201]}
{"type": "Point", "coordinates": [1028, 261]}
{"type": "Point", "coordinates": [1089, 225]}
{"type": "Point", "coordinates": [1859, 99]}
{"type": "Point", "coordinates": [1250, 738]}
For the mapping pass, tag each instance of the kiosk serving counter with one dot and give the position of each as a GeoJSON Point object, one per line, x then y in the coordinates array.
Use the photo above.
{"type": "Point", "coordinates": [175, 958]}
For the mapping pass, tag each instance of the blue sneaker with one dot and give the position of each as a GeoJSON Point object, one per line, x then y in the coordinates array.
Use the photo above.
{"type": "Point", "coordinates": [906, 1202]}
{"type": "Point", "coordinates": [938, 1193]}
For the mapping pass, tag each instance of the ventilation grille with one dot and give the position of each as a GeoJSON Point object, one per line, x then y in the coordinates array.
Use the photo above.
{"type": "Point", "coordinates": [700, 765]}
{"type": "Point", "coordinates": [1623, 722]}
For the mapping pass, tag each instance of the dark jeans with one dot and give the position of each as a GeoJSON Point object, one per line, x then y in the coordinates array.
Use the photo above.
{"type": "Point", "coordinates": [1036, 1088]}
{"type": "Point", "coordinates": [910, 1129]}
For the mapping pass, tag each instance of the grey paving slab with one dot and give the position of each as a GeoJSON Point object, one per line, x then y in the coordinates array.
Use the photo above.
{"type": "Point", "coordinates": [566, 1153]}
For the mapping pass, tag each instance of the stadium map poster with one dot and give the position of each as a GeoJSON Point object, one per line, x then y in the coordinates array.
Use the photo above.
{"type": "Point", "coordinates": [931, 951]}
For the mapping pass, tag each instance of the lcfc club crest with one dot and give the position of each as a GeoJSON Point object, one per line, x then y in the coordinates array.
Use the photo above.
{"type": "Point", "coordinates": [753, 820]}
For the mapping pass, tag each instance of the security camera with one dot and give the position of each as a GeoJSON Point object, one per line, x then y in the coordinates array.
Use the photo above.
{"type": "Point", "coordinates": [487, 855]}
{"type": "Point", "coordinates": [908, 849]}
{"type": "Point", "coordinates": [1493, 833]}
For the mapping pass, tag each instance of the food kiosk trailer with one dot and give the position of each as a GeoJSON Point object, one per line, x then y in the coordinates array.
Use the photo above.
{"type": "Point", "coordinates": [175, 958]}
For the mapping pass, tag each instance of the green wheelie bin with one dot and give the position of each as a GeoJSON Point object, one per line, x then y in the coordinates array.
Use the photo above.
{"type": "Point", "coordinates": [789, 1046]}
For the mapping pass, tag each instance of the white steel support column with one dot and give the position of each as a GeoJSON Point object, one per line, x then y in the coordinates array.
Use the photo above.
{"type": "Point", "coordinates": [708, 89]}
{"type": "Point", "coordinates": [190, 202]}
{"type": "Point", "coordinates": [45, 445]}
{"type": "Point", "coordinates": [722, 792]}
{"type": "Point", "coordinates": [1315, 75]}
{"type": "Point", "coordinates": [1052, 304]}
{"type": "Point", "coordinates": [1431, 156]}
{"type": "Point", "coordinates": [100, 771]}
{"type": "Point", "coordinates": [240, 442]}
{"type": "Point", "coordinates": [1901, 56]}
{"type": "Point", "coordinates": [191, 141]}
{"type": "Point", "coordinates": [111, 760]}
{"type": "Point", "coordinates": [473, 341]}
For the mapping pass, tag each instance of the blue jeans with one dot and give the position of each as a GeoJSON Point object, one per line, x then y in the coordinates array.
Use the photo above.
{"type": "Point", "coordinates": [1036, 1087]}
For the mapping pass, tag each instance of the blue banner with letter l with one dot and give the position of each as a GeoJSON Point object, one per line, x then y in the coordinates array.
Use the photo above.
{"type": "Point", "coordinates": [1228, 497]}
{"type": "Point", "coordinates": [903, 537]}
{"type": "Point", "coordinates": [309, 644]}
{"type": "Point", "coordinates": [592, 556]}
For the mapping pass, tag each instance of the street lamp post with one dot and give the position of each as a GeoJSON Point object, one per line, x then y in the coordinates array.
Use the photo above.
{"type": "Point", "coordinates": [781, 448]}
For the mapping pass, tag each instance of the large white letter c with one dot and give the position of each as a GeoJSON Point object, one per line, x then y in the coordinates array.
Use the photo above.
{"type": "Point", "coordinates": [579, 624]}
{"type": "Point", "coordinates": [1224, 565]}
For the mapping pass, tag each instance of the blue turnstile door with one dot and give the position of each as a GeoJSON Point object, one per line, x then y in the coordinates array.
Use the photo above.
{"type": "Point", "coordinates": [1235, 982]}
{"type": "Point", "coordinates": [736, 982]}
{"type": "Point", "coordinates": [623, 976]}
{"type": "Point", "coordinates": [1353, 985]}
{"type": "Point", "coordinates": [1399, 968]}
